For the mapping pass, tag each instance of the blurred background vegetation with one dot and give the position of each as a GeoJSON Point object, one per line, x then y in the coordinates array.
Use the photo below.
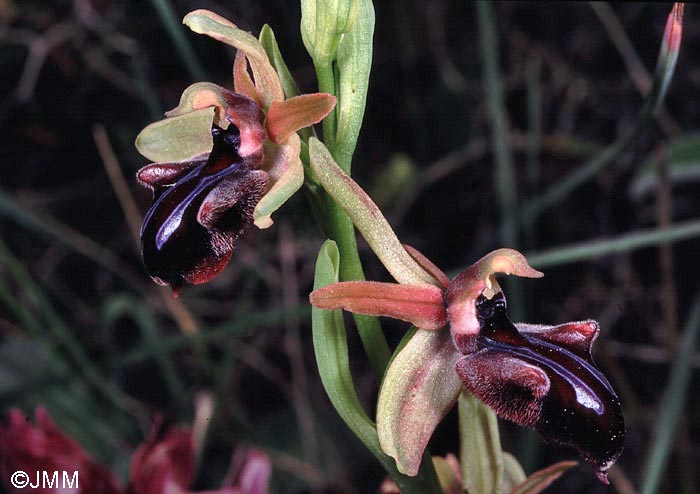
{"type": "Point", "coordinates": [85, 332]}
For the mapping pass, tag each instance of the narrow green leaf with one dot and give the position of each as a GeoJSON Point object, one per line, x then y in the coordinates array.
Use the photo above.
{"type": "Point", "coordinates": [671, 405]}
{"type": "Point", "coordinates": [480, 449]}
{"type": "Point", "coordinates": [627, 242]}
{"type": "Point", "coordinates": [506, 188]}
{"type": "Point", "coordinates": [330, 346]}
{"type": "Point", "coordinates": [682, 155]}
{"type": "Point", "coordinates": [58, 331]}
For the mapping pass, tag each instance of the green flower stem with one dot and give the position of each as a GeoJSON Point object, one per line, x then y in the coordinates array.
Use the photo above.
{"type": "Point", "coordinates": [347, 80]}
{"type": "Point", "coordinates": [337, 226]}
{"type": "Point", "coordinates": [341, 229]}
{"type": "Point", "coordinates": [327, 84]}
{"type": "Point", "coordinates": [480, 453]}
{"type": "Point", "coordinates": [335, 222]}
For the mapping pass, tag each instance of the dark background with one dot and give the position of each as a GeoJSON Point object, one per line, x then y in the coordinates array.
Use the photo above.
{"type": "Point", "coordinates": [85, 332]}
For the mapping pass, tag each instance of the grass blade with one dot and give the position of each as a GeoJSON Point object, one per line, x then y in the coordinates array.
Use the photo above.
{"type": "Point", "coordinates": [671, 405]}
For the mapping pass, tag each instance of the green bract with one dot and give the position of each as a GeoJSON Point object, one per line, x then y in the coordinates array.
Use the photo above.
{"type": "Point", "coordinates": [323, 23]}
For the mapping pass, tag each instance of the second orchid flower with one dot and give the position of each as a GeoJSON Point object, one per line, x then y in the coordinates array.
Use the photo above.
{"type": "Point", "coordinates": [537, 376]}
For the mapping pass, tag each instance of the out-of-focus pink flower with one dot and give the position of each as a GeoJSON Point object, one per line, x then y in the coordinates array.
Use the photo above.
{"type": "Point", "coordinates": [251, 472]}
{"type": "Point", "coordinates": [166, 465]}
{"type": "Point", "coordinates": [43, 447]}
{"type": "Point", "coordinates": [163, 464]}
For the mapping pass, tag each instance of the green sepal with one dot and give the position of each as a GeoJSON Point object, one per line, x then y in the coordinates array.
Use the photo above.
{"type": "Point", "coordinates": [178, 138]}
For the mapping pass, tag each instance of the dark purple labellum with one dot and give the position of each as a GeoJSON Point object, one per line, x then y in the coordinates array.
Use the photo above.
{"type": "Point", "coordinates": [545, 378]}
{"type": "Point", "coordinates": [199, 209]}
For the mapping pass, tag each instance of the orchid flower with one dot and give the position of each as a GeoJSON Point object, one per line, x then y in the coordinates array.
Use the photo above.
{"type": "Point", "coordinates": [538, 376]}
{"type": "Point", "coordinates": [223, 160]}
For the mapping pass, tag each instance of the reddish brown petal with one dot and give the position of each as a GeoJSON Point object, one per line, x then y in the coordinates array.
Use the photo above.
{"type": "Point", "coordinates": [247, 115]}
{"type": "Point", "coordinates": [577, 337]}
{"type": "Point", "coordinates": [207, 269]}
{"type": "Point", "coordinates": [163, 174]}
{"type": "Point", "coordinates": [428, 265]}
{"type": "Point", "coordinates": [540, 480]}
{"type": "Point", "coordinates": [420, 305]}
{"type": "Point", "coordinates": [242, 82]}
{"type": "Point", "coordinates": [477, 279]}
{"type": "Point", "coordinates": [286, 117]}
{"type": "Point", "coordinates": [191, 227]}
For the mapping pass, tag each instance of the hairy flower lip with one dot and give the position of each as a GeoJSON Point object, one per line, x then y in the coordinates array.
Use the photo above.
{"type": "Point", "coordinates": [545, 378]}
{"type": "Point", "coordinates": [199, 209]}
